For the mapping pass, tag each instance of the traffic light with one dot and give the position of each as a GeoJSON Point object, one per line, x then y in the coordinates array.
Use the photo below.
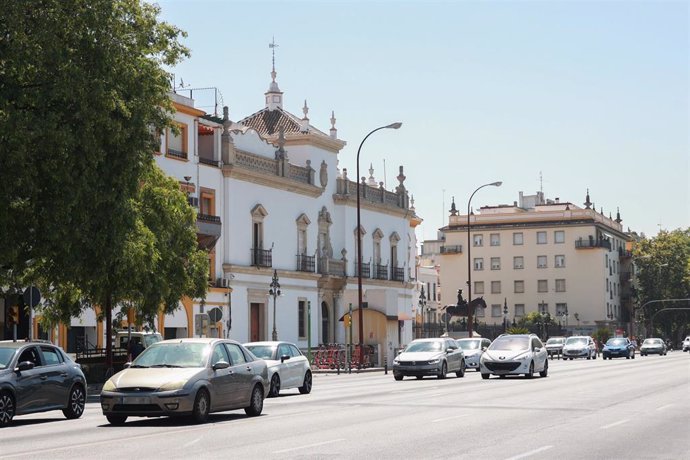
{"type": "Point", "coordinates": [13, 315]}
{"type": "Point", "coordinates": [348, 320]}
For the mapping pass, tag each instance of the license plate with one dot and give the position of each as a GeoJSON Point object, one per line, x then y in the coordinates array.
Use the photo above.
{"type": "Point", "coordinates": [135, 400]}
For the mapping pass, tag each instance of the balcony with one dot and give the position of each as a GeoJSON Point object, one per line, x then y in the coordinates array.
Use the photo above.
{"type": "Point", "coordinates": [208, 161]}
{"type": "Point", "coordinates": [177, 154]}
{"type": "Point", "coordinates": [332, 267]}
{"type": "Point", "coordinates": [398, 274]}
{"type": "Point", "coordinates": [306, 263]}
{"type": "Point", "coordinates": [262, 257]}
{"type": "Point", "coordinates": [366, 270]}
{"type": "Point", "coordinates": [455, 249]}
{"type": "Point", "coordinates": [380, 272]}
{"type": "Point", "coordinates": [592, 243]}
{"type": "Point", "coordinates": [208, 230]}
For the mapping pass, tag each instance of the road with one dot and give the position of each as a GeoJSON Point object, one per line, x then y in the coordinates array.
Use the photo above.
{"type": "Point", "coordinates": [615, 409]}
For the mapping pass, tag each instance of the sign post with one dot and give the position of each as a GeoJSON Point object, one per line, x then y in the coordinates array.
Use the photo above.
{"type": "Point", "coordinates": [309, 331]}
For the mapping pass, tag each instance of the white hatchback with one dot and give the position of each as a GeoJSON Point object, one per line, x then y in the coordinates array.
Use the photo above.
{"type": "Point", "coordinates": [513, 355]}
{"type": "Point", "coordinates": [287, 366]}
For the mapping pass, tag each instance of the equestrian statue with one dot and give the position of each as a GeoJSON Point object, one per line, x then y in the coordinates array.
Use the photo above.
{"type": "Point", "coordinates": [461, 308]}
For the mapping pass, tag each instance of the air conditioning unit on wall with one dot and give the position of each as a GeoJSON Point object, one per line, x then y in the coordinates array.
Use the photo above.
{"type": "Point", "coordinates": [222, 283]}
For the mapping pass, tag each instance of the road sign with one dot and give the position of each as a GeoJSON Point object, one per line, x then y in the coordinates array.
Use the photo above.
{"type": "Point", "coordinates": [215, 314]}
{"type": "Point", "coordinates": [32, 296]}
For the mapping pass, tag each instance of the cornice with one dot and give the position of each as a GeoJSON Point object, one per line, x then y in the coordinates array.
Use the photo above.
{"type": "Point", "coordinates": [351, 200]}
{"type": "Point", "coordinates": [550, 223]}
{"type": "Point", "coordinates": [270, 180]}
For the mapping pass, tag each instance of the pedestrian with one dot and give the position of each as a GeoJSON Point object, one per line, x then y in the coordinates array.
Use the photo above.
{"type": "Point", "coordinates": [135, 349]}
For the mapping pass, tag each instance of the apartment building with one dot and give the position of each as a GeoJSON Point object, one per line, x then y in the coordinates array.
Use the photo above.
{"type": "Point", "coordinates": [541, 255]}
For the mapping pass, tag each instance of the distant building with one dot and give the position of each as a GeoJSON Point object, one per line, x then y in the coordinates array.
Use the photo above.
{"type": "Point", "coordinates": [541, 255]}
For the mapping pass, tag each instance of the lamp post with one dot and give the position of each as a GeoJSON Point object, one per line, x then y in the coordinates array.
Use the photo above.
{"type": "Point", "coordinates": [395, 125]}
{"type": "Point", "coordinates": [469, 258]}
{"type": "Point", "coordinates": [505, 314]}
{"type": "Point", "coordinates": [274, 291]}
{"type": "Point", "coordinates": [422, 305]}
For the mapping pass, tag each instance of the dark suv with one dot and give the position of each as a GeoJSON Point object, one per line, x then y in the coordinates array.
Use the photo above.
{"type": "Point", "coordinates": [37, 377]}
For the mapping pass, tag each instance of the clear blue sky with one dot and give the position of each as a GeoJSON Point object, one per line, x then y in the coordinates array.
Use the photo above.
{"type": "Point", "coordinates": [591, 94]}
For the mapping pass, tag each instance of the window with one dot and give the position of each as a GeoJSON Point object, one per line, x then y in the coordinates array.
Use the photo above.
{"type": "Point", "coordinates": [559, 237]}
{"type": "Point", "coordinates": [479, 287]}
{"type": "Point", "coordinates": [517, 239]}
{"type": "Point", "coordinates": [519, 310]}
{"type": "Point", "coordinates": [219, 354]}
{"type": "Point", "coordinates": [495, 239]}
{"type": "Point", "coordinates": [495, 287]}
{"type": "Point", "coordinates": [207, 202]}
{"type": "Point", "coordinates": [559, 261]}
{"type": "Point", "coordinates": [302, 319]}
{"type": "Point", "coordinates": [561, 309]}
{"type": "Point", "coordinates": [560, 285]}
{"type": "Point", "coordinates": [302, 223]}
{"type": "Point", "coordinates": [393, 240]}
{"type": "Point", "coordinates": [541, 261]}
{"type": "Point", "coordinates": [496, 310]}
{"type": "Point", "coordinates": [519, 286]}
{"type": "Point", "coordinates": [259, 214]}
{"type": "Point", "coordinates": [543, 308]}
{"type": "Point", "coordinates": [541, 237]}
{"type": "Point", "coordinates": [177, 143]}
{"type": "Point", "coordinates": [542, 286]}
{"type": "Point", "coordinates": [478, 240]}
{"type": "Point", "coordinates": [479, 263]}
{"type": "Point", "coordinates": [51, 356]}
{"type": "Point", "coordinates": [518, 262]}
{"type": "Point", "coordinates": [235, 353]}
{"type": "Point", "coordinates": [495, 263]}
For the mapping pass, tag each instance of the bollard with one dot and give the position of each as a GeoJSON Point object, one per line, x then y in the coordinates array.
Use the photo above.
{"type": "Point", "coordinates": [338, 368]}
{"type": "Point", "coordinates": [385, 368]}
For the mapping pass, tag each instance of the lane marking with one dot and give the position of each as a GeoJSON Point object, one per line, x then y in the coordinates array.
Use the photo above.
{"type": "Point", "coordinates": [664, 407]}
{"type": "Point", "coordinates": [530, 453]}
{"type": "Point", "coordinates": [450, 418]}
{"type": "Point", "coordinates": [308, 446]}
{"type": "Point", "coordinates": [190, 443]}
{"type": "Point", "coordinates": [610, 425]}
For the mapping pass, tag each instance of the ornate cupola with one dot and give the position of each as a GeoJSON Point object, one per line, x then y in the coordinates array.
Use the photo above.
{"type": "Point", "coordinates": [274, 96]}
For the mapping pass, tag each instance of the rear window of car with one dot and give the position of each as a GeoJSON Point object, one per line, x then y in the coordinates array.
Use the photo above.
{"type": "Point", "coordinates": [261, 351]}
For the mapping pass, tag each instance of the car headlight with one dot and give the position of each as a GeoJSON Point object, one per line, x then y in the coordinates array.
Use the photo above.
{"type": "Point", "coordinates": [174, 385]}
{"type": "Point", "coordinates": [522, 357]}
{"type": "Point", "coordinates": [434, 361]}
{"type": "Point", "coordinates": [396, 361]}
{"type": "Point", "coordinates": [109, 386]}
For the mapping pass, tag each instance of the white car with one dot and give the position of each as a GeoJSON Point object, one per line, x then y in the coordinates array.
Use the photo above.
{"type": "Point", "coordinates": [514, 354]}
{"type": "Point", "coordinates": [473, 349]}
{"type": "Point", "coordinates": [686, 343]}
{"type": "Point", "coordinates": [579, 346]}
{"type": "Point", "coordinates": [287, 366]}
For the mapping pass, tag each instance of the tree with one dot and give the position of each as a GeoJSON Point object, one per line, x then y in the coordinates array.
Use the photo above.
{"type": "Point", "coordinates": [82, 94]}
{"type": "Point", "coordinates": [663, 272]}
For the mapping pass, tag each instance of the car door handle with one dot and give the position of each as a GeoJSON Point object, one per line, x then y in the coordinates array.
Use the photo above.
{"type": "Point", "coordinates": [64, 374]}
{"type": "Point", "coordinates": [249, 368]}
{"type": "Point", "coordinates": [44, 377]}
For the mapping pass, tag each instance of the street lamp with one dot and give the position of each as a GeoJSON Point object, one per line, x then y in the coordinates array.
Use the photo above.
{"type": "Point", "coordinates": [395, 125]}
{"type": "Point", "coordinates": [469, 258]}
{"type": "Point", "coordinates": [505, 314]}
{"type": "Point", "coordinates": [274, 291]}
{"type": "Point", "coordinates": [422, 305]}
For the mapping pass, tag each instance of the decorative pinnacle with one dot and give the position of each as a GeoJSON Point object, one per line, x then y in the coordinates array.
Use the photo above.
{"type": "Point", "coordinates": [305, 110]}
{"type": "Point", "coordinates": [273, 45]}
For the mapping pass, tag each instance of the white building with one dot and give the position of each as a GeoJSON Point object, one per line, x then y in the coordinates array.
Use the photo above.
{"type": "Point", "coordinates": [541, 255]}
{"type": "Point", "coordinates": [273, 201]}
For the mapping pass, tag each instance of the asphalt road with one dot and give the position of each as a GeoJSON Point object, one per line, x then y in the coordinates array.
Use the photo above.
{"type": "Point", "coordinates": [617, 409]}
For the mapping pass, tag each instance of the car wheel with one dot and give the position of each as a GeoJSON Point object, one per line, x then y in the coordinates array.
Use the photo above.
{"type": "Point", "coordinates": [486, 376]}
{"type": "Point", "coordinates": [117, 420]}
{"type": "Point", "coordinates": [75, 403]}
{"type": "Point", "coordinates": [530, 372]}
{"type": "Point", "coordinates": [545, 372]}
{"type": "Point", "coordinates": [397, 376]}
{"type": "Point", "coordinates": [444, 371]}
{"type": "Point", "coordinates": [256, 404]}
{"type": "Point", "coordinates": [461, 372]}
{"type": "Point", "coordinates": [6, 408]}
{"type": "Point", "coordinates": [305, 389]}
{"type": "Point", "coordinates": [202, 406]}
{"type": "Point", "coordinates": [275, 386]}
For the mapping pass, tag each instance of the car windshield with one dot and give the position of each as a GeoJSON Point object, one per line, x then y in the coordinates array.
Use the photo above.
{"type": "Point", "coordinates": [424, 346]}
{"type": "Point", "coordinates": [151, 339]}
{"type": "Point", "coordinates": [173, 354]}
{"type": "Point", "coordinates": [576, 341]}
{"type": "Point", "coordinates": [510, 343]}
{"type": "Point", "coordinates": [554, 341]}
{"type": "Point", "coordinates": [469, 344]}
{"type": "Point", "coordinates": [262, 351]}
{"type": "Point", "coordinates": [6, 355]}
{"type": "Point", "coordinates": [616, 342]}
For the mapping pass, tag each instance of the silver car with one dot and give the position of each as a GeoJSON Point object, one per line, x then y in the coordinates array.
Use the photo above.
{"type": "Point", "coordinates": [287, 366]}
{"type": "Point", "coordinates": [437, 356]}
{"type": "Point", "coordinates": [187, 377]}
{"type": "Point", "coordinates": [514, 354]}
{"type": "Point", "coordinates": [579, 346]}
{"type": "Point", "coordinates": [473, 350]}
{"type": "Point", "coordinates": [653, 346]}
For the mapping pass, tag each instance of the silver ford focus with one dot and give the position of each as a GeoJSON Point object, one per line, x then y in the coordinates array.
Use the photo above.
{"type": "Point", "coordinates": [191, 377]}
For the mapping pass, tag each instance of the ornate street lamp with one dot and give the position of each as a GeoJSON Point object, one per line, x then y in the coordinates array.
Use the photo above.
{"type": "Point", "coordinates": [469, 258]}
{"type": "Point", "coordinates": [274, 292]}
{"type": "Point", "coordinates": [359, 245]}
{"type": "Point", "coordinates": [505, 314]}
{"type": "Point", "coordinates": [422, 305]}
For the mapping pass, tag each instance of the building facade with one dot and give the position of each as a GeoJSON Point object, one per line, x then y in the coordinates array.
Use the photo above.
{"type": "Point", "coordinates": [541, 255]}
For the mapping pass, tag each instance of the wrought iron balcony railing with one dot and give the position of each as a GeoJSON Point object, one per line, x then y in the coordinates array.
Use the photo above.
{"type": "Point", "coordinates": [262, 257]}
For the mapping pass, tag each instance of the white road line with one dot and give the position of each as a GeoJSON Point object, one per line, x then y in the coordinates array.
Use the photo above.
{"type": "Point", "coordinates": [530, 453]}
{"type": "Point", "coordinates": [664, 407]}
{"type": "Point", "coordinates": [610, 425]}
{"type": "Point", "coordinates": [192, 442]}
{"type": "Point", "coordinates": [308, 446]}
{"type": "Point", "coordinates": [450, 418]}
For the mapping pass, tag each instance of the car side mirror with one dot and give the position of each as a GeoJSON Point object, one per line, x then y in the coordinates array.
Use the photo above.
{"type": "Point", "coordinates": [483, 348]}
{"type": "Point", "coordinates": [25, 366]}
{"type": "Point", "coordinates": [221, 365]}
{"type": "Point", "coordinates": [126, 365]}
{"type": "Point", "coordinates": [537, 350]}
{"type": "Point", "coordinates": [284, 358]}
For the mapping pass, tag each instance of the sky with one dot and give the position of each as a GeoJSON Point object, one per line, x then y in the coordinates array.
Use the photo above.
{"type": "Point", "coordinates": [554, 96]}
